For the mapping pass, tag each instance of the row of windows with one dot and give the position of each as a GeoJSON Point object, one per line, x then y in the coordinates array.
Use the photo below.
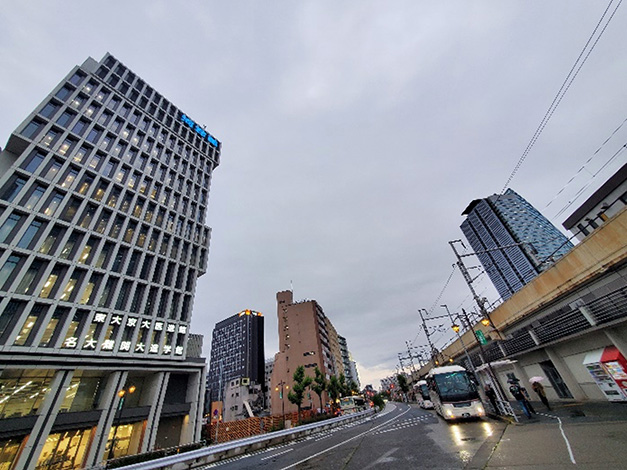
{"type": "Point", "coordinates": [123, 156]}
{"type": "Point", "coordinates": [47, 279]}
{"type": "Point", "coordinates": [95, 217]}
{"type": "Point", "coordinates": [103, 190]}
{"type": "Point", "coordinates": [47, 326]}
{"type": "Point", "coordinates": [75, 245]}
{"type": "Point", "coordinates": [91, 251]}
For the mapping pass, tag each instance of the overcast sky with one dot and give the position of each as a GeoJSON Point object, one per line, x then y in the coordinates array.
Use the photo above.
{"type": "Point", "coordinates": [353, 135]}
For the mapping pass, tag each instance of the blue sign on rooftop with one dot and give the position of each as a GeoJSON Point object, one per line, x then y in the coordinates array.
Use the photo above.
{"type": "Point", "coordinates": [199, 130]}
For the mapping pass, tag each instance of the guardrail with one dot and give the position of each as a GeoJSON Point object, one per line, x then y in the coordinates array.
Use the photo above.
{"type": "Point", "coordinates": [217, 452]}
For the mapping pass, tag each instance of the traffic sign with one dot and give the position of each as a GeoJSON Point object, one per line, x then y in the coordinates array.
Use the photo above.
{"type": "Point", "coordinates": [480, 337]}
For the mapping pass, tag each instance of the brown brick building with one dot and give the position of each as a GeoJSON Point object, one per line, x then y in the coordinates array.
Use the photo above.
{"type": "Point", "coordinates": [306, 338]}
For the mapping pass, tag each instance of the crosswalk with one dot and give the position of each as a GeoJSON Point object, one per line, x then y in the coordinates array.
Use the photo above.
{"type": "Point", "coordinates": [408, 423]}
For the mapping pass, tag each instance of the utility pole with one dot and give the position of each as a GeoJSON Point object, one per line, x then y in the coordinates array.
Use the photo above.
{"type": "Point", "coordinates": [424, 326]}
{"type": "Point", "coordinates": [456, 330]}
{"type": "Point", "coordinates": [411, 359]}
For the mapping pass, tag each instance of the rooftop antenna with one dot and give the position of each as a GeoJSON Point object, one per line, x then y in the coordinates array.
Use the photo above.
{"type": "Point", "coordinates": [291, 286]}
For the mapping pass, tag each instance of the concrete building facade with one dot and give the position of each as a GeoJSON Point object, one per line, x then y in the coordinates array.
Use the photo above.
{"type": "Point", "coordinates": [103, 194]}
{"type": "Point", "coordinates": [603, 204]}
{"type": "Point", "coordinates": [304, 340]}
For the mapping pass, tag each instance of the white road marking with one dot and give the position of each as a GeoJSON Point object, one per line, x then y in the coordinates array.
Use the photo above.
{"type": "Point", "coordinates": [275, 455]}
{"type": "Point", "coordinates": [570, 450]}
{"type": "Point", "coordinates": [347, 440]}
{"type": "Point", "coordinates": [385, 458]}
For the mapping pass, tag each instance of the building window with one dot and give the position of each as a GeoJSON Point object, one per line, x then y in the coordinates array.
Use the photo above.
{"type": "Point", "coordinates": [32, 129]}
{"type": "Point", "coordinates": [53, 203]}
{"type": "Point", "coordinates": [50, 283]}
{"type": "Point", "coordinates": [8, 226]}
{"type": "Point", "coordinates": [9, 269]}
{"type": "Point", "coordinates": [49, 110]}
{"type": "Point", "coordinates": [29, 234]}
{"type": "Point", "coordinates": [52, 329]}
{"type": "Point", "coordinates": [13, 188]}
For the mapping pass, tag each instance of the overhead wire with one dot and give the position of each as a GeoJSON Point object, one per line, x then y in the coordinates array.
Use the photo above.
{"type": "Point", "coordinates": [581, 191]}
{"type": "Point", "coordinates": [574, 71]}
{"type": "Point", "coordinates": [586, 163]}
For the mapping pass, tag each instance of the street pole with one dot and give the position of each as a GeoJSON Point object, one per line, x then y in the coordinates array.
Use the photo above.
{"type": "Point", "coordinates": [470, 364]}
{"type": "Point", "coordinates": [424, 326]}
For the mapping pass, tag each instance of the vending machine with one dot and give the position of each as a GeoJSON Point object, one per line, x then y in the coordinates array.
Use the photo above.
{"type": "Point", "coordinates": [594, 362]}
{"type": "Point", "coordinates": [615, 365]}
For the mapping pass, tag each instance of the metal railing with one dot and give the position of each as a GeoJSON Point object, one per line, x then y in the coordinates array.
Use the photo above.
{"type": "Point", "coordinates": [193, 455]}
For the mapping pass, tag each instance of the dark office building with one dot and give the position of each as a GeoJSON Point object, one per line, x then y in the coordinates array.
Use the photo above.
{"type": "Point", "coordinates": [103, 193]}
{"type": "Point", "coordinates": [237, 352]}
{"type": "Point", "coordinates": [504, 220]}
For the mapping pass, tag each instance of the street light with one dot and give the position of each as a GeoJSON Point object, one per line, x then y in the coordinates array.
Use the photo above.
{"type": "Point", "coordinates": [118, 414]}
{"type": "Point", "coordinates": [279, 388]}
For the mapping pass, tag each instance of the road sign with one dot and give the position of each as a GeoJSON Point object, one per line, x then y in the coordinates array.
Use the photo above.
{"type": "Point", "coordinates": [480, 337]}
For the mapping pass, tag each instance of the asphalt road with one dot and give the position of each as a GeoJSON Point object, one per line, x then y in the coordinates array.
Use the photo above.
{"type": "Point", "coordinates": [400, 437]}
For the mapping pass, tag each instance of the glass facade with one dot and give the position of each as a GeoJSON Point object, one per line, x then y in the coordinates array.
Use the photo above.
{"type": "Point", "coordinates": [513, 241]}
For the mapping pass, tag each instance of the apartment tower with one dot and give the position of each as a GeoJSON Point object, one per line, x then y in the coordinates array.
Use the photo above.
{"type": "Point", "coordinates": [304, 340]}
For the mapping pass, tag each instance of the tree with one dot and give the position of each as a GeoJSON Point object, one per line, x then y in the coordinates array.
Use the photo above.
{"type": "Point", "coordinates": [319, 385]}
{"type": "Point", "coordinates": [378, 402]}
{"type": "Point", "coordinates": [335, 390]}
{"type": "Point", "coordinates": [354, 388]}
{"type": "Point", "coordinates": [402, 383]}
{"type": "Point", "coordinates": [344, 388]}
{"type": "Point", "coordinates": [301, 382]}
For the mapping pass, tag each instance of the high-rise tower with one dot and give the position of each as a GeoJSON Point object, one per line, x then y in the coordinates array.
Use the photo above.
{"type": "Point", "coordinates": [237, 351]}
{"type": "Point", "coordinates": [103, 194]}
{"type": "Point", "coordinates": [513, 241]}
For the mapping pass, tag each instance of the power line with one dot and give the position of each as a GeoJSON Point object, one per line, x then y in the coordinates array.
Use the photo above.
{"type": "Point", "coordinates": [580, 192]}
{"type": "Point", "coordinates": [585, 164]}
{"type": "Point", "coordinates": [574, 71]}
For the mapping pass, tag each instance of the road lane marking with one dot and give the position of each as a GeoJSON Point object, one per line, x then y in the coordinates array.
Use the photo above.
{"type": "Point", "coordinates": [276, 455]}
{"type": "Point", "coordinates": [385, 458]}
{"type": "Point", "coordinates": [570, 450]}
{"type": "Point", "coordinates": [347, 440]}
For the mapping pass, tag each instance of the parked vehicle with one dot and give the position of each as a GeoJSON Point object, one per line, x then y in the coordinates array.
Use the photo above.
{"type": "Point", "coordinates": [422, 394]}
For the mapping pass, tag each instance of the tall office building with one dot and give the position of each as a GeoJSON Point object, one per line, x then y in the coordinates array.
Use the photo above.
{"type": "Point", "coordinates": [304, 340]}
{"type": "Point", "coordinates": [103, 193]}
{"type": "Point", "coordinates": [508, 220]}
{"type": "Point", "coordinates": [237, 352]}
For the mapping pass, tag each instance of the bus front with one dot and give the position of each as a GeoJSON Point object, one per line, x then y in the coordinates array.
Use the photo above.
{"type": "Point", "coordinates": [457, 395]}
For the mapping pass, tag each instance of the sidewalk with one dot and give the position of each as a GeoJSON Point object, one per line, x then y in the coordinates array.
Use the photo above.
{"type": "Point", "coordinates": [586, 435]}
{"type": "Point", "coordinates": [575, 412]}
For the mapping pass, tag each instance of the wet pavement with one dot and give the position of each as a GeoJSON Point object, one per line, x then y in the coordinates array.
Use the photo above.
{"type": "Point", "coordinates": [570, 435]}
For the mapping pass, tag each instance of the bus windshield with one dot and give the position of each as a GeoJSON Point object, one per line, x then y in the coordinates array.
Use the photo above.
{"type": "Point", "coordinates": [424, 391]}
{"type": "Point", "coordinates": [455, 386]}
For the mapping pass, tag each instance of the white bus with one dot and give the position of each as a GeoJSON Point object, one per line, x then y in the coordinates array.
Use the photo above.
{"type": "Point", "coordinates": [422, 394]}
{"type": "Point", "coordinates": [352, 404]}
{"type": "Point", "coordinates": [453, 393]}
